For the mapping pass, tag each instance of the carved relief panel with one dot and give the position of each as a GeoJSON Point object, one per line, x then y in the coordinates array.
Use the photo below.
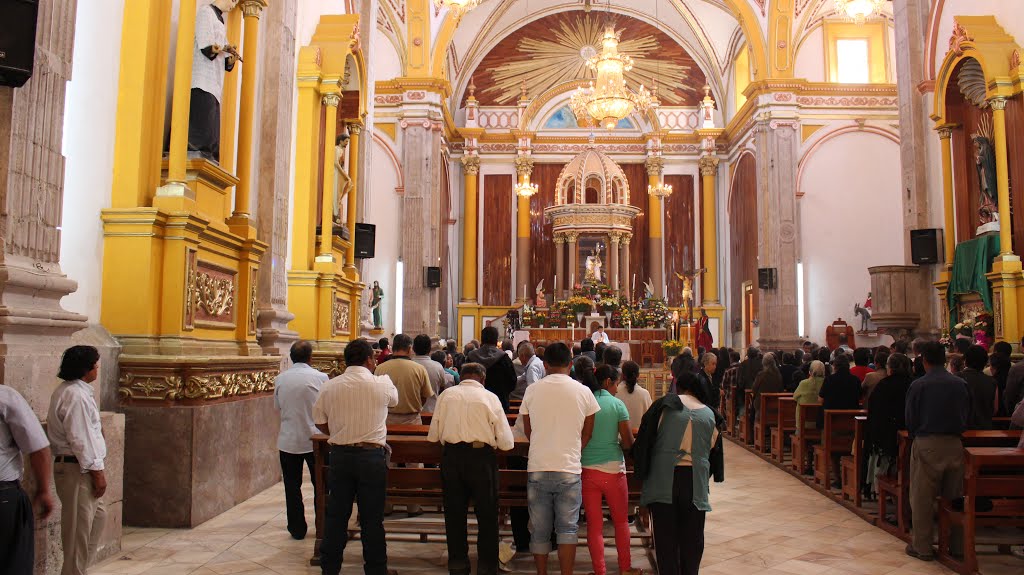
{"type": "Point", "coordinates": [214, 296]}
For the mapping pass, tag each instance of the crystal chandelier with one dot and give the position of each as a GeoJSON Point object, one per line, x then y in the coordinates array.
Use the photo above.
{"type": "Point", "coordinates": [662, 190]}
{"type": "Point", "coordinates": [609, 101]}
{"type": "Point", "coordinates": [459, 7]}
{"type": "Point", "coordinates": [859, 10]}
{"type": "Point", "coordinates": [526, 189]}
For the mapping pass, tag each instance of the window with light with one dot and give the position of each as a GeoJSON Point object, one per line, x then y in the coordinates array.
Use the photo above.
{"type": "Point", "coordinates": [852, 61]}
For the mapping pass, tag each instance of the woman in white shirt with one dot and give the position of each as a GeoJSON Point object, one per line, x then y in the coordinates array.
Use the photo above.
{"type": "Point", "coordinates": [636, 398]}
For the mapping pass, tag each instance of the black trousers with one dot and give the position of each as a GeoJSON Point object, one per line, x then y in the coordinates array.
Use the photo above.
{"type": "Point", "coordinates": [291, 474]}
{"type": "Point", "coordinates": [470, 475]}
{"type": "Point", "coordinates": [520, 516]}
{"type": "Point", "coordinates": [360, 476]}
{"type": "Point", "coordinates": [679, 528]}
{"type": "Point", "coordinates": [204, 124]}
{"type": "Point", "coordinates": [17, 530]}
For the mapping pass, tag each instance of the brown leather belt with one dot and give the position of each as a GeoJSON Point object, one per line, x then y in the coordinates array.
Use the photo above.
{"type": "Point", "coordinates": [361, 446]}
{"type": "Point", "coordinates": [469, 445]}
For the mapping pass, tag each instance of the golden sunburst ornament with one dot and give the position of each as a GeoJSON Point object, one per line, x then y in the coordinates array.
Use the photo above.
{"type": "Point", "coordinates": [609, 100]}
{"type": "Point", "coordinates": [459, 7]}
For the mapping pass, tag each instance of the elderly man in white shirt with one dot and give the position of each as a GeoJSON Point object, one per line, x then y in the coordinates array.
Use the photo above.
{"type": "Point", "coordinates": [353, 410]}
{"type": "Point", "coordinates": [76, 437]}
{"type": "Point", "coordinates": [471, 425]}
{"type": "Point", "coordinates": [295, 391]}
{"type": "Point", "coordinates": [533, 370]}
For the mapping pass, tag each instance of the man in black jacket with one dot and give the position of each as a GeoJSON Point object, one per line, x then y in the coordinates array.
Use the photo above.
{"type": "Point", "coordinates": [501, 374]}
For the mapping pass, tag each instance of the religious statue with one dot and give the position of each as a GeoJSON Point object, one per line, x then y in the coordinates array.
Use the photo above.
{"type": "Point", "coordinates": [541, 300]}
{"type": "Point", "coordinates": [376, 299]}
{"type": "Point", "coordinates": [212, 56]}
{"type": "Point", "coordinates": [985, 164]}
{"type": "Point", "coordinates": [688, 293]}
{"type": "Point", "coordinates": [704, 337]}
{"type": "Point", "coordinates": [594, 266]}
{"type": "Point", "coordinates": [864, 313]}
{"type": "Point", "coordinates": [649, 289]}
{"type": "Point", "coordinates": [342, 182]}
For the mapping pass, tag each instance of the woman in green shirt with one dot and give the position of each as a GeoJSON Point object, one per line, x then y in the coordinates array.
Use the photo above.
{"type": "Point", "coordinates": [604, 470]}
{"type": "Point", "coordinates": [807, 391]}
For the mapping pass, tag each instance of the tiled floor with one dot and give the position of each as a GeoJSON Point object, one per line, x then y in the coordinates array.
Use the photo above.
{"type": "Point", "coordinates": [764, 522]}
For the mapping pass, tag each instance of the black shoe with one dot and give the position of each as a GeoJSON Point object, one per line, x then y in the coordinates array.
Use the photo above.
{"type": "Point", "coordinates": [298, 535]}
{"type": "Point", "coordinates": [913, 553]}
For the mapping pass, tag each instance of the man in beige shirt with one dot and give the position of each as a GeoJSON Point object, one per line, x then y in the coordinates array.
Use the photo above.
{"type": "Point", "coordinates": [410, 378]}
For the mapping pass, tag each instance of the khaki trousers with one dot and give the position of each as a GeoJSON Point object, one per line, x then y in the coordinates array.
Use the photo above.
{"type": "Point", "coordinates": [81, 519]}
{"type": "Point", "coordinates": [936, 469]}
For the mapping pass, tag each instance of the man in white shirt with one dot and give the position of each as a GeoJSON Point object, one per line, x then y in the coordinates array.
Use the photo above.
{"type": "Point", "coordinates": [558, 415]}
{"type": "Point", "coordinates": [470, 424]}
{"type": "Point", "coordinates": [21, 435]}
{"type": "Point", "coordinates": [435, 371]}
{"type": "Point", "coordinates": [533, 370]}
{"type": "Point", "coordinates": [600, 336]}
{"type": "Point", "coordinates": [353, 409]}
{"type": "Point", "coordinates": [295, 392]}
{"type": "Point", "coordinates": [73, 426]}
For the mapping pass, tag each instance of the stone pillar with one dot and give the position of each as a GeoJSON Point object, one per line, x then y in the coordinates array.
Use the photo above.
{"type": "Point", "coordinates": [420, 223]}
{"type": "Point", "coordinates": [355, 130]}
{"type": "Point", "coordinates": [471, 171]}
{"type": "Point", "coordinates": [331, 101]}
{"type": "Point", "coordinates": [624, 261]}
{"type": "Point", "coordinates": [560, 276]}
{"type": "Point", "coordinates": [277, 90]}
{"type": "Point", "coordinates": [949, 210]}
{"type": "Point", "coordinates": [655, 258]}
{"type": "Point", "coordinates": [709, 229]}
{"type": "Point", "coordinates": [570, 238]}
{"type": "Point", "coordinates": [777, 141]}
{"type": "Point", "coordinates": [613, 261]}
{"type": "Point", "coordinates": [251, 10]}
{"type": "Point", "coordinates": [524, 169]}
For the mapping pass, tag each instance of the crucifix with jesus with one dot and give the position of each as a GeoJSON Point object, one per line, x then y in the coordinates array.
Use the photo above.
{"type": "Point", "coordinates": [687, 300]}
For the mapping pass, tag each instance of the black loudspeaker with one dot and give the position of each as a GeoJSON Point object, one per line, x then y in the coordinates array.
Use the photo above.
{"type": "Point", "coordinates": [925, 246]}
{"type": "Point", "coordinates": [433, 278]}
{"type": "Point", "coordinates": [17, 41]}
{"type": "Point", "coordinates": [766, 278]}
{"type": "Point", "coordinates": [366, 240]}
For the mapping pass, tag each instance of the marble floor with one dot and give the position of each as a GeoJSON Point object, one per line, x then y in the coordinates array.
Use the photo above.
{"type": "Point", "coordinates": [764, 522]}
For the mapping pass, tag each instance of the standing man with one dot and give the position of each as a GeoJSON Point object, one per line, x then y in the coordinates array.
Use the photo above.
{"type": "Point", "coordinates": [73, 425]}
{"type": "Point", "coordinates": [295, 392]}
{"type": "Point", "coordinates": [533, 370]}
{"type": "Point", "coordinates": [435, 371]}
{"type": "Point", "coordinates": [501, 374]}
{"type": "Point", "coordinates": [558, 417]}
{"type": "Point", "coordinates": [471, 425]}
{"type": "Point", "coordinates": [353, 410]}
{"type": "Point", "coordinates": [20, 435]}
{"type": "Point", "coordinates": [938, 409]}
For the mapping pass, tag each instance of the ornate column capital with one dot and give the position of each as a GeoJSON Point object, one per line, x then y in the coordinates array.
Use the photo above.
{"type": "Point", "coordinates": [945, 132]}
{"type": "Point", "coordinates": [471, 165]}
{"type": "Point", "coordinates": [252, 8]}
{"type": "Point", "coordinates": [333, 100]}
{"type": "Point", "coordinates": [998, 103]}
{"type": "Point", "coordinates": [655, 165]}
{"type": "Point", "coordinates": [571, 237]}
{"type": "Point", "coordinates": [708, 165]}
{"type": "Point", "coordinates": [615, 237]}
{"type": "Point", "coordinates": [355, 128]}
{"type": "Point", "coordinates": [559, 239]}
{"type": "Point", "coordinates": [524, 166]}
{"type": "Point", "coordinates": [626, 237]}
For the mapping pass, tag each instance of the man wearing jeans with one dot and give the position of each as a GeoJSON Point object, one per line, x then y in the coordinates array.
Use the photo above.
{"type": "Point", "coordinates": [353, 410]}
{"type": "Point", "coordinates": [558, 417]}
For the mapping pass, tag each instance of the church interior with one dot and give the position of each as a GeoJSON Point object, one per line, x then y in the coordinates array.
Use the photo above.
{"type": "Point", "coordinates": [676, 174]}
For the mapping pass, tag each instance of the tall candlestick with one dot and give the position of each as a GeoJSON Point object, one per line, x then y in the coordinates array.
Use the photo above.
{"type": "Point", "coordinates": [572, 281]}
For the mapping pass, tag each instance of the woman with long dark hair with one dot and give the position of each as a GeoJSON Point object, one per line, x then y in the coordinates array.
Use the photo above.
{"type": "Point", "coordinates": [636, 398]}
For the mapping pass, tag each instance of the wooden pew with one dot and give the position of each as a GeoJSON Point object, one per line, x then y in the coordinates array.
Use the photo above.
{"type": "Point", "coordinates": [804, 438]}
{"type": "Point", "coordinates": [836, 438]}
{"type": "Point", "coordinates": [512, 417]}
{"type": "Point", "coordinates": [767, 416]}
{"type": "Point", "coordinates": [850, 465]}
{"type": "Point", "coordinates": [747, 423]}
{"type": "Point", "coordinates": [996, 473]}
{"type": "Point", "coordinates": [785, 426]}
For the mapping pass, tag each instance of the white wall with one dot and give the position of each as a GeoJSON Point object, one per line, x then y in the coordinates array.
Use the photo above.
{"type": "Point", "coordinates": [1007, 12]}
{"type": "Point", "coordinates": [89, 124]}
{"type": "Point", "coordinates": [810, 57]}
{"type": "Point", "coordinates": [386, 64]}
{"type": "Point", "coordinates": [383, 209]}
{"type": "Point", "coordinates": [850, 218]}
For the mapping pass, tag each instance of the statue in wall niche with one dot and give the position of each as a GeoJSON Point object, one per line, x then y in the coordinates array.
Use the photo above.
{"type": "Point", "coordinates": [212, 56]}
{"type": "Point", "coordinates": [985, 165]}
{"type": "Point", "coordinates": [342, 182]}
{"type": "Point", "coordinates": [594, 266]}
{"type": "Point", "coordinates": [541, 299]}
{"type": "Point", "coordinates": [376, 301]}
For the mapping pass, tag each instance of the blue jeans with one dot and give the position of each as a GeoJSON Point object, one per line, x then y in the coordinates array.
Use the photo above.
{"type": "Point", "coordinates": [554, 499]}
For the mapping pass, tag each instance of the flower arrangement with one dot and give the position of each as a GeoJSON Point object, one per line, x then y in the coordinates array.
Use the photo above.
{"type": "Point", "coordinates": [580, 304]}
{"type": "Point", "coordinates": [540, 319]}
{"type": "Point", "coordinates": [528, 316]}
{"type": "Point", "coordinates": [977, 330]}
{"type": "Point", "coordinates": [672, 347]}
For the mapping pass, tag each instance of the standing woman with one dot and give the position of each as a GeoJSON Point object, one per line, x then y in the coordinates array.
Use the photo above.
{"type": "Point", "coordinates": [673, 456]}
{"type": "Point", "coordinates": [604, 471]}
{"type": "Point", "coordinates": [636, 398]}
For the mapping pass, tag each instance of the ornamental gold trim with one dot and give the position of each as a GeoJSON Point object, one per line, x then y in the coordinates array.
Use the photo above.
{"type": "Point", "coordinates": [198, 387]}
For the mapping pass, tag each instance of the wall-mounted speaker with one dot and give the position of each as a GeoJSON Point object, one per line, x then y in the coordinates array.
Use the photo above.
{"type": "Point", "coordinates": [366, 241]}
{"type": "Point", "coordinates": [17, 41]}
{"type": "Point", "coordinates": [766, 278]}
{"type": "Point", "coordinates": [433, 279]}
{"type": "Point", "coordinates": [926, 246]}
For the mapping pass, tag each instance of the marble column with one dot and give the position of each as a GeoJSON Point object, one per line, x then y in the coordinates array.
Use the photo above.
{"type": "Point", "coordinates": [655, 258]}
{"type": "Point", "coordinates": [420, 223]}
{"type": "Point", "coordinates": [613, 261]}
{"type": "Point", "coordinates": [560, 276]}
{"type": "Point", "coordinates": [570, 238]}
{"type": "Point", "coordinates": [625, 272]}
{"type": "Point", "coordinates": [777, 141]}
{"type": "Point", "coordinates": [276, 93]}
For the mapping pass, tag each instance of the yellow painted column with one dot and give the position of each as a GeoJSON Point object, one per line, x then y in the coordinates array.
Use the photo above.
{"type": "Point", "coordinates": [655, 164]}
{"type": "Point", "coordinates": [251, 10]}
{"type": "Point", "coordinates": [180, 101]}
{"type": "Point", "coordinates": [469, 228]}
{"type": "Point", "coordinates": [524, 168]}
{"type": "Point", "coordinates": [355, 130]}
{"type": "Point", "coordinates": [709, 237]}
{"type": "Point", "coordinates": [331, 100]}
{"type": "Point", "coordinates": [229, 98]}
{"type": "Point", "coordinates": [1003, 175]}
{"type": "Point", "coordinates": [307, 139]}
{"type": "Point", "coordinates": [949, 237]}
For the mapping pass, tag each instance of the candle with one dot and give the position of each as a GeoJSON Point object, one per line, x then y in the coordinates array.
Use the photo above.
{"type": "Point", "coordinates": [524, 292]}
{"type": "Point", "coordinates": [572, 281]}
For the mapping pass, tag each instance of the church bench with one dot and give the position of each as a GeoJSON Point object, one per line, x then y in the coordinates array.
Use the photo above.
{"type": "Point", "coordinates": [427, 417]}
{"type": "Point", "coordinates": [747, 421]}
{"type": "Point", "coordinates": [994, 473]}
{"type": "Point", "coordinates": [804, 438]}
{"type": "Point", "coordinates": [836, 439]}
{"type": "Point", "coordinates": [785, 426]}
{"type": "Point", "coordinates": [850, 465]}
{"type": "Point", "coordinates": [1000, 423]}
{"type": "Point", "coordinates": [766, 418]}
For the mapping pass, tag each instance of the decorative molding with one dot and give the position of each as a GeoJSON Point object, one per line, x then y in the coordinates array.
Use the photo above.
{"type": "Point", "coordinates": [998, 103]}
{"type": "Point", "coordinates": [959, 37]}
{"type": "Point", "coordinates": [333, 100]}
{"type": "Point", "coordinates": [341, 323]}
{"type": "Point", "coordinates": [175, 382]}
{"type": "Point", "coordinates": [782, 97]}
{"type": "Point", "coordinates": [655, 165]}
{"type": "Point", "coordinates": [387, 99]}
{"type": "Point", "coordinates": [1014, 60]}
{"type": "Point", "coordinates": [524, 166]}
{"type": "Point", "coordinates": [191, 297]}
{"type": "Point", "coordinates": [254, 312]}
{"type": "Point", "coordinates": [214, 292]}
{"type": "Point", "coordinates": [252, 8]}
{"type": "Point", "coordinates": [471, 165]}
{"type": "Point", "coordinates": [846, 101]}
